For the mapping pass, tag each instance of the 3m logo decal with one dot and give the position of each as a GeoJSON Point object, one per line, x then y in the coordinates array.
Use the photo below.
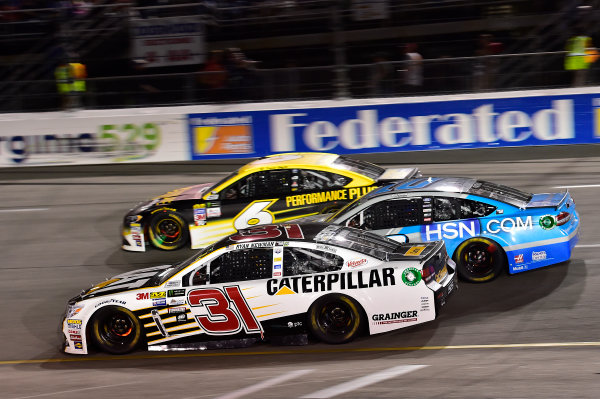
{"type": "Point", "coordinates": [142, 296]}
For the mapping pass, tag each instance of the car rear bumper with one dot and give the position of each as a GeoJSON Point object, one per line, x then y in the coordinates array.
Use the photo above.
{"type": "Point", "coordinates": [538, 254]}
{"type": "Point", "coordinates": [445, 288]}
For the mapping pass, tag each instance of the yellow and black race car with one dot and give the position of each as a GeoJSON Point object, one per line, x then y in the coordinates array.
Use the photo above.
{"type": "Point", "coordinates": [271, 189]}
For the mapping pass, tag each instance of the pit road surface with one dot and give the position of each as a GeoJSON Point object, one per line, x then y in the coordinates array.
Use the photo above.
{"type": "Point", "coordinates": [532, 335]}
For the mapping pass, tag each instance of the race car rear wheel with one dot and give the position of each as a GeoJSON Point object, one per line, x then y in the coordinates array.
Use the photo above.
{"type": "Point", "coordinates": [115, 330]}
{"type": "Point", "coordinates": [479, 260]}
{"type": "Point", "coordinates": [168, 231]}
{"type": "Point", "coordinates": [335, 319]}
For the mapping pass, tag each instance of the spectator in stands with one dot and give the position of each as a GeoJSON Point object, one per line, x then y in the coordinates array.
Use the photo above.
{"type": "Point", "coordinates": [382, 72]}
{"type": "Point", "coordinates": [581, 54]}
{"type": "Point", "coordinates": [213, 76]}
{"type": "Point", "coordinates": [80, 8]}
{"type": "Point", "coordinates": [10, 11]}
{"type": "Point", "coordinates": [411, 69]}
{"type": "Point", "coordinates": [71, 83]}
{"type": "Point", "coordinates": [242, 78]}
{"type": "Point", "coordinates": [486, 65]}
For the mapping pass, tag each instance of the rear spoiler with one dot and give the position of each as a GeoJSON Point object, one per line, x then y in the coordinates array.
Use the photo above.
{"type": "Point", "coordinates": [555, 200]}
{"type": "Point", "coordinates": [394, 174]}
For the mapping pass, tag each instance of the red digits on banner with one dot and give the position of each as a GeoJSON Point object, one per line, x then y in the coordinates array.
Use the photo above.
{"type": "Point", "coordinates": [179, 55]}
{"type": "Point", "coordinates": [236, 297]}
{"type": "Point", "coordinates": [226, 313]}
{"type": "Point", "coordinates": [220, 319]}
{"type": "Point", "coordinates": [150, 56]}
{"type": "Point", "coordinates": [268, 231]}
{"type": "Point", "coordinates": [293, 231]}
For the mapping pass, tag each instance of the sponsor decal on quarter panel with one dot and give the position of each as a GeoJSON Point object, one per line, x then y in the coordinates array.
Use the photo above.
{"type": "Point", "coordinates": [450, 230]}
{"type": "Point", "coordinates": [333, 281]}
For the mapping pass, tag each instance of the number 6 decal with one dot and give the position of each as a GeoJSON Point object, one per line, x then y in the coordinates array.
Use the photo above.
{"type": "Point", "coordinates": [254, 214]}
{"type": "Point", "coordinates": [226, 312]}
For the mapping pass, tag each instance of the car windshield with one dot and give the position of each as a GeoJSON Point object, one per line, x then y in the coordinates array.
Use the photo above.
{"type": "Point", "coordinates": [223, 180]}
{"type": "Point", "coordinates": [364, 168]}
{"type": "Point", "coordinates": [357, 240]}
{"type": "Point", "coordinates": [164, 275]}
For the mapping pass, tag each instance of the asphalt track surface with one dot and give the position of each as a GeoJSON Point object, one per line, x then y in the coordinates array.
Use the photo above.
{"type": "Point", "coordinates": [532, 335]}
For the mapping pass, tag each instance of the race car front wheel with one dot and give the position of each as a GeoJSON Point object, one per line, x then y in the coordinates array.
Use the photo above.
{"type": "Point", "coordinates": [168, 231]}
{"type": "Point", "coordinates": [115, 330]}
{"type": "Point", "coordinates": [335, 319]}
{"type": "Point", "coordinates": [479, 260]}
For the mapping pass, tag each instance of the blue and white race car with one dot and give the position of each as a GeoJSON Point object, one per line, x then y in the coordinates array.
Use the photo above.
{"type": "Point", "coordinates": [486, 226]}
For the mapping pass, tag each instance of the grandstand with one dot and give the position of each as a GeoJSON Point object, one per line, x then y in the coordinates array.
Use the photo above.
{"type": "Point", "coordinates": [288, 49]}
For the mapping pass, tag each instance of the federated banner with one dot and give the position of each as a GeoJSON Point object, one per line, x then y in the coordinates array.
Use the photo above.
{"type": "Point", "coordinates": [91, 137]}
{"type": "Point", "coordinates": [505, 121]}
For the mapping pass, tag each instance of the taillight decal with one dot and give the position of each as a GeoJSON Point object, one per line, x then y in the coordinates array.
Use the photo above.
{"type": "Point", "coordinates": [562, 218]}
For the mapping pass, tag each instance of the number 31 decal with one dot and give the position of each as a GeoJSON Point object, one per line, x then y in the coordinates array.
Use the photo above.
{"type": "Point", "coordinates": [269, 232]}
{"type": "Point", "coordinates": [226, 310]}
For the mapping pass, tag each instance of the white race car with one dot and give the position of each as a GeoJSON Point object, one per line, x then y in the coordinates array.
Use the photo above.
{"type": "Point", "coordinates": [333, 282]}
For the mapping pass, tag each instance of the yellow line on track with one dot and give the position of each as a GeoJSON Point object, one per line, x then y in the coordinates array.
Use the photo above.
{"type": "Point", "coordinates": [301, 352]}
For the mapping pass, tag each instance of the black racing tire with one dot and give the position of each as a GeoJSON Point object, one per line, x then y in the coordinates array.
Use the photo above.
{"type": "Point", "coordinates": [168, 231]}
{"type": "Point", "coordinates": [335, 319]}
{"type": "Point", "coordinates": [479, 260]}
{"type": "Point", "coordinates": [115, 329]}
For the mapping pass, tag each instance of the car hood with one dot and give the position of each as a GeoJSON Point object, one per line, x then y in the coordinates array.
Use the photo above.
{"type": "Point", "coordinates": [185, 193]}
{"type": "Point", "coordinates": [123, 282]}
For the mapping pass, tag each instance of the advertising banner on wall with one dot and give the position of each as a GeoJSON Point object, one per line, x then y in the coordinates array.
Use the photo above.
{"type": "Point", "coordinates": [414, 126]}
{"type": "Point", "coordinates": [225, 136]}
{"type": "Point", "coordinates": [366, 10]}
{"type": "Point", "coordinates": [91, 138]}
{"type": "Point", "coordinates": [171, 41]}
